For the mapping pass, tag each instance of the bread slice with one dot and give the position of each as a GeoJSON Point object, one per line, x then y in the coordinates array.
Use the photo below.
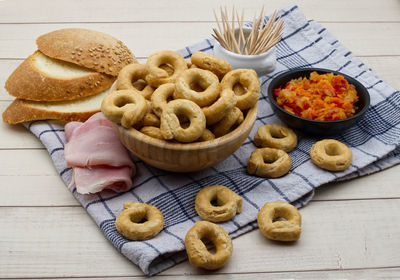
{"type": "Point", "coordinates": [76, 110]}
{"type": "Point", "coordinates": [41, 78]}
{"type": "Point", "coordinates": [88, 48]}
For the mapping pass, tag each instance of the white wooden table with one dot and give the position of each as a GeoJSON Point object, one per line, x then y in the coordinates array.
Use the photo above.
{"type": "Point", "coordinates": [350, 230]}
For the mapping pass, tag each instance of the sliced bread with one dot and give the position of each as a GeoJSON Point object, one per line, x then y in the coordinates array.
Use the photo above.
{"type": "Point", "coordinates": [76, 110]}
{"type": "Point", "coordinates": [88, 48]}
{"type": "Point", "coordinates": [41, 78]}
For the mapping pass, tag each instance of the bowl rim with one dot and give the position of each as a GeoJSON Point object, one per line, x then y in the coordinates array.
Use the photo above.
{"type": "Point", "coordinates": [247, 56]}
{"type": "Point", "coordinates": [350, 79]}
{"type": "Point", "coordinates": [249, 120]}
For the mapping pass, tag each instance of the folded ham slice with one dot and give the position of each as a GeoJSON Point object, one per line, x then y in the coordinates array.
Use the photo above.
{"type": "Point", "coordinates": [97, 156]}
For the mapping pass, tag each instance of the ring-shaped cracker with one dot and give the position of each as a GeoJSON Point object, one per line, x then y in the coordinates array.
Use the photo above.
{"type": "Point", "coordinates": [204, 79]}
{"type": "Point", "coordinates": [152, 131]}
{"type": "Point", "coordinates": [160, 97]}
{"type": "Point", "coordinates": [269, 163]}
{"type": "Point", "coordinates": [207, 135]}
{"type": "Point", "coordinates": [216, 111]}
{"type": "Point", "coordinates": [156, 75]}
{"type": "Point", "coordinates": [197, 251]}
{"type": "Point", "coordinates": [228, 203]}
{"type": "Point", "coordinates": [129, 75]}
{"type": "Point", "coordinates": [149, 119]}
{"type": "Point", "coordinates": [249, 79]}
{"type": "Point", "coordinates": [211, 63]}
{"type": "Point", "coordinates": [129, 221]}
{"type": "Point", "coordinates": [281, 230]}
{"type": "Point", "coordinates": [276, 136]}
{"type": "Point", "coordinates": [171, 127]}
{"type": "Point", "coordinates": [232, 118]}
{"type": "Point", "coordinates": [331, 155]}
{"type": "Point", "coordinates": [125, 107]}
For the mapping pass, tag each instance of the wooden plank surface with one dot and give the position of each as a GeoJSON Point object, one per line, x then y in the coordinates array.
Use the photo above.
{"type": "Point", "coordinates": [195, 10]}
{"type": "Point", "coordinates": [351, 229]}
{"type": "Point", "coordinates": [61, 240]}
{"type": "Point", "coordinates": [362, 38]}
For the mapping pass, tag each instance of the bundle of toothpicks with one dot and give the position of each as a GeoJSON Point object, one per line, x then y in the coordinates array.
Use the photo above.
{"type": "Point", "coordinates": [261, 38]}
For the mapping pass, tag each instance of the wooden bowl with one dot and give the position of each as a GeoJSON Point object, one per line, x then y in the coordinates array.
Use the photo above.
{"type": "Point", "coordinates": [187, 157]}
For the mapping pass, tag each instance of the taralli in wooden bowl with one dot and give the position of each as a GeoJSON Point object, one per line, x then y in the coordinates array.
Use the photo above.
{"type": "Point", "coordinates": [186, 157]}
{"type": "Point", "coordinates": [189, 122]}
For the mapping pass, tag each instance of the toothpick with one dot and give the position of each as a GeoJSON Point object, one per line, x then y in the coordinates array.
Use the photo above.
{"type": "Point", "coordinates": [260, 39]}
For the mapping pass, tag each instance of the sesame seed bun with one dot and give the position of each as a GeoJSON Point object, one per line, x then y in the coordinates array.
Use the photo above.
{"type": "Point", "coordinates": [91, 49]}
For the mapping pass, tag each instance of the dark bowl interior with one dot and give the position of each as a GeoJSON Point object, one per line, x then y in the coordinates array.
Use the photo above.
{"type": "Point", "coordinates": [311, 126]}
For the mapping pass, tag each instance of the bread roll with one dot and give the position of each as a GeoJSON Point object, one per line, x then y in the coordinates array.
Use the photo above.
{"type": "Point", "coordinates": [41, 78]}
{"type": "Point", "coordinates": [91, 49]}
{"type": "Point", "coordinates": [76, 110]}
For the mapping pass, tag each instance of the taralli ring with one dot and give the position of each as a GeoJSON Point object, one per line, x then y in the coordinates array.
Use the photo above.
{"type": "Point", "coordinates": [131, 74]}
{"type": "Point", "coordinates": [171, 127]}
{"type": "Point", "coordinates": [207, 135]}
{"type": "Point", "coordinates": [129, 222]}
{"type": "Point", "coordinates": [276, 136]}
{"type": "Point", "coordinates": [156, 75]}
{"type": "Point", "coordinates": [212, 63]}
{"type": "Point", "coordinates": [331, 155]}
{"type": "Point", "coordinates": [216, 111]}
{"type": "Point", "coordinates": [269, 163]}
{"type": "Point", "coordinates": [152, 131]}
{"type": "Point", "coordinates": [248, 79]}
{"type": "Point", "coordinates": [160, 97]}
{"type": "Point", "coordinates": [232, 118]}
{"type": "Point", "coordinates": [125, 107]}
{"type": "Point", "coordinates": [287, 230]}
{"type": "Point", "coordinates": [200, 78]}
{"type": "Point", "coordinates": [229, 203]}
{"type": "Point", "coordinates": [197, 252]}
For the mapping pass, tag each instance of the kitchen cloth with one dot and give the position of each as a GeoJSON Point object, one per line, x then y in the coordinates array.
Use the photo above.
{"type": "Point", "coordinates": [374, 142]}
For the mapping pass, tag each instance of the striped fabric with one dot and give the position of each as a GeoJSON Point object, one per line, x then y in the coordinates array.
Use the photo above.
{"type": "Point", "coordinates": [374, 142]}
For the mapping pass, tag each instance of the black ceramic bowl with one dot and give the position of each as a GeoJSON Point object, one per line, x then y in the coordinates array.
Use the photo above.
{"type": "Point", "coordinates": [311, 126]}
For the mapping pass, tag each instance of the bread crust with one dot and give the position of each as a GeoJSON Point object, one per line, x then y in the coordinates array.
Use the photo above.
{"type": "Point", "coordinates": [30, 83]}
{"type": "Point", "coordinates": [20, 111]}
{"type": "Point", "coordinates": [91, 49]}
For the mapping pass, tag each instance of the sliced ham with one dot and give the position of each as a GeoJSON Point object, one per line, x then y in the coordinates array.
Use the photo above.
{"type": "Point", "coordinates": [97, 178]}
{"type": "Point", "coordinates": [95, 143]}
{"type": "Point", "coordinates": [97, 156]}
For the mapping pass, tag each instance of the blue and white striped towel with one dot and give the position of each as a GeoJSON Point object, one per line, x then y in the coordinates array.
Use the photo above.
{"type": "Point", "coordinates": [375, 143]}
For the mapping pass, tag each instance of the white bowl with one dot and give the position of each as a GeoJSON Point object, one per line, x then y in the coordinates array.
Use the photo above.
{"type": "Point", "coordinates": [263, 63]}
